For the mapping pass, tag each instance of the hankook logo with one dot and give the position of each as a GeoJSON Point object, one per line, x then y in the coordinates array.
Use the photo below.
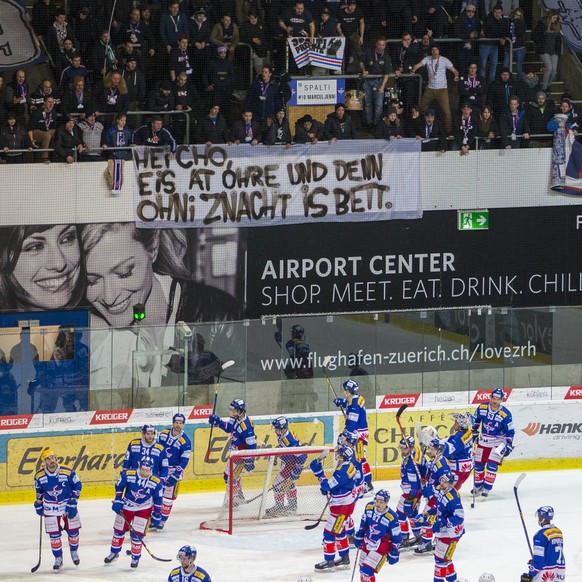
{"type": "Point", "coordinates": [534, 428]}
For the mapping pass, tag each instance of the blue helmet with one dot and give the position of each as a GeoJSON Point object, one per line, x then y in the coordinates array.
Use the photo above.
{"type": "Point", "coordinates": [437, 444]}
{"type": "Point", "coordinates": [147, 427]}
{"type": "Point", "coordinates": [238, 404]}
{"type": "Point", "coordinates": [179, 416]}
{"type": "Point", "coordinates": [351, 386]}
{"type": "Point", "coordinates": [545, 513]}
{"type": "Point", "coordinates": [449, 477]}
{"type": "Point", "coordinates": [383, 494]}
{"type": "Point", "coordinates": [187, 552]}
{"type": "Point", "coordinates": [146, 463]}
{"type": "Point", "coordinates": [280, 423]}
{"type": "Point", "coordinates": [351, 437]}
{"type": "Point", "coordinates": [408, 442]}
{"type": "Point", "coordinates": [498, 392]}
{"type": "Point", "coordinates": [346, 452]}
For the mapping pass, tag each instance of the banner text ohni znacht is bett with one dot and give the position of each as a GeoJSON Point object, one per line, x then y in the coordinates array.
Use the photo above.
{"type": "Point", "coordinates": [344, 181]}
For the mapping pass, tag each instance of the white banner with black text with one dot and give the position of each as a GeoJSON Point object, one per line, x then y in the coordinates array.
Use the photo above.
{"type": "Point", "coordinates": [244, 185]}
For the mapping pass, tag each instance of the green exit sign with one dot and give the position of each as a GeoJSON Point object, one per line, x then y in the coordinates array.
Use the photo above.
{"type": "Point", "coordinates": [473, 219]}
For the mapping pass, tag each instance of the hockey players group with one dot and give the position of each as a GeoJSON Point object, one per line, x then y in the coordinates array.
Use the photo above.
{"type": "Point", "coordinates": [428, 519]}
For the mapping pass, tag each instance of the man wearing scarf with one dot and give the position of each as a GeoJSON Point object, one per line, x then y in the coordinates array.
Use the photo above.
{"type": "Point", "coordinates": [465, 130]}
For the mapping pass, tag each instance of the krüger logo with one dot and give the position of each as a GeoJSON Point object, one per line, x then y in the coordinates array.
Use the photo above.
{"type": "Point", "coordinates": [9, 422]}
{"type": "Point", "coordinates": [574, 393]}
{"type": "Point", "coordinates": [397, 400]}
{"type": "Point", "coordinates": [111, 417]}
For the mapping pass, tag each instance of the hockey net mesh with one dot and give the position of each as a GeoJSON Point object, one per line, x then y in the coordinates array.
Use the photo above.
{"type": "Point", "coordinates": [259, 488]}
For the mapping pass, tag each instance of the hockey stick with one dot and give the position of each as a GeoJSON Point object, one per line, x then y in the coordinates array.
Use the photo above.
{"type": "Point", "coordinates": [324, 366]}
{"type": "Point", "coordinates": [314, 525]}
{"type": "Point", "coordinates": [140, 537]}
{"type": "Point", "coordinates": [398, 414]}
{"type": "Point", "coordinates": [35, 568]}
{"type": "Point", "coordinates": [474, 490]}
{"type": "Point", "coordinates": [519, 480]}
{"type": "Point", "coordinates": [222, 368]}
{"type": "Point", "coordinates": [355, 565]}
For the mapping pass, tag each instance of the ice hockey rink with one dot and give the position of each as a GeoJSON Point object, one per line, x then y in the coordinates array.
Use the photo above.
{"type": "Point", "coordinates": [494, 540]}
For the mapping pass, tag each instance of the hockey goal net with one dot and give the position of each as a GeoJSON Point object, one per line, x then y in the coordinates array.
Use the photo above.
{"type": "Point", "coordinates": [270, 485]}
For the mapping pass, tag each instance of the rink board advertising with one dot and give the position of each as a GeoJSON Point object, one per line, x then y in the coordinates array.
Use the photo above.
{"type": "Point", "coordinates": [528, 257]}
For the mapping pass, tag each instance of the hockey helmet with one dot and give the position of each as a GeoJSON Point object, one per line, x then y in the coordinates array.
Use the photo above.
{"type": "Point", "coordinates": [449, 478]}
{"type": "Point", "coordinates": [147, 428]}
{"type": "Point", "coordinates": [545, 513]}
{"type": "Point", "coordinates": [463, 419]}
{"type": "Point", "coordinates": [48, 452]}
{"type": "Point", "coordinates": [238, 404]}
{"type": "Point", "coordinates": [351, 437]}
{"type": "Point", "coordinates": [345, 452]}
{"type": "Point", "coordinates": [146, 463]}
{"type": "Point", "coordinates": [179, 416]}
{"type": "Point", "coordinates": [486, 577]}
{"type": "Point", "coordinates": [351, 386]}
{"type": "Point", "coordinates": [437, 444]}
{"type": "Point", "coordinates": [383, 494]}
{"type": "Point", "coordinates": [280, 423]}
{"type": "Point", "coordinates": [499, 393]}
{"type": "Point", "coordinates": [407, 443]}
{"type": "Point", "coordinates": [187, 552]}
{"type": "Point", "coordinates": [297, 331]}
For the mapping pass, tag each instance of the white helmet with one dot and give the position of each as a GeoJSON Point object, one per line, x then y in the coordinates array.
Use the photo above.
{"type": "Point", "coordinates": [486, 577]}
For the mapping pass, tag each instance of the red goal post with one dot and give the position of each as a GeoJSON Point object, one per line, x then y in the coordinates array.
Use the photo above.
{"type": "Point", "coordinates": [266, 492]}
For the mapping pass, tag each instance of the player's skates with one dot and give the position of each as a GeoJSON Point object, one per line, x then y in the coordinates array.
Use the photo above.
{"type": "Point", "coordinates": [325, 566]}
{"type": "Point", "coordinates": [424, 549]}
{"type": "Point", "coordinates": [111, 558]}
{"type": "Point", "coordinates": [239, 498]}
{"type": "Point", "coordinates": [134, 562]}
{"type": "Point", "coordinates": [343, 562]}
{"type": "Point", "coordinates": [276, 511]}
{"type": "Point", "coordinates": [485, 492]}
{"type": "Point", "coordinates": [476, 490]}
{"type": "Point", "coordinates": [410, 543]}
{"type": "Point", "coordinates": [291, 508]}
{"type": "Point", "coordinates": [58, 565]}
{"type": "Point", "coordinates": [75, 557]}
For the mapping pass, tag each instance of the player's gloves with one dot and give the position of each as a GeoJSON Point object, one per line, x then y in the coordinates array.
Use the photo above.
{"type": "Point", "coordinates": [437, 526]}
{"type": "Point", "coordinates": [393, 557]}
{"type": "Point", "coordinates": [428, 491]}
{"type": "Point", "coordinates": [214, 420]}
{"type": "Point", "coordinates": [38, 507]}
{"type": "Point", "coordinates": [117, 506]}
{"type": "Point", "coordinates": [157, 516]}
{"type": "Point", "coordinates": [358, 541]}
{"type": "Point", "coordinates": [508, 450]}
{"type": "Point", "coordinates": [341, 402]}
{"type": "Point", "coordinates": [323, 491]}
{"type": "Point", "coordinates": [526, 578]}
{"type": "Point", "coordinates": [316, 467]}
{"type": "Point", "coordinates": [409, 505]}
{"type": "Point", "coordinates": [475, 436]}
{"type": "Point", "coordinates": [171, 481]}
{"type": "Point", "coordinates": [71, 508]}
{"type": "Point", "coordinates": [249, 464]}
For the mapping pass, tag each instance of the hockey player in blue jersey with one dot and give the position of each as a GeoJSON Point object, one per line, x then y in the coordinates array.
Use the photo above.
{"type": "Point", "coordinates": [340, 488]}
{"type": "Point", "coordinates": [178, 450]}
{"type": "Point", "coordinates": [378, 537]}
{"type": "Point", "coordinates": [494, 443]}
{"type": "Point", "coordinates": [146, 446]}
{"type": "Point", "coordinates": [548, 563]}
{"type": "Point", "coordinates": [290, 471]}
{"type": "Point", "coordinates": [242, 437]}
{"type": "Point", "coordinates": [459, 447]}
{"type": "Point", "coordinates": [447, 528]}
{"type": "Point", "coordinates": [57, 491]}
{"type": "Point", "coordinates": [188, 571]}
{"type": "Point", "coordinates": [357, 421]}
{"type": "Point", "coordinates": [138, 495]}
{"type": "Point", "coordinates": [435, 468]}
{"type": "Point", "coordinates": [412, 473]}
{"type": "Point", "coordinates": [351, 439]}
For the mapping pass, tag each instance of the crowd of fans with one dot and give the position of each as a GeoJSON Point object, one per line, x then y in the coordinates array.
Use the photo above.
{"type": "Point", "coordinates": [217, 71]}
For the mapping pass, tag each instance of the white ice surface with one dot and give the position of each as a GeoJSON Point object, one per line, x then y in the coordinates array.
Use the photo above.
{"type": "Point", "coordinates": [494, 542]}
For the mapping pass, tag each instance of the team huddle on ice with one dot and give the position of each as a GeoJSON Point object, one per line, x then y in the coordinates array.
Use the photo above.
{"type": "Point", "coordinates": [432, 469]}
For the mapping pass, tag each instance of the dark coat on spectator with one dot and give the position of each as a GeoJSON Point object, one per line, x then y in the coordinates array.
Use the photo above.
{"type": "Point", "coordinates": [278, 133]}
{"type": "Point", "coordinates": [207, 131]}
{"type": "Point", "coordinates": [339, 128]}
{"type": "Point", "coordinates": [64, 142]}
{"type": "Point", "coordinates": [302, 135]}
